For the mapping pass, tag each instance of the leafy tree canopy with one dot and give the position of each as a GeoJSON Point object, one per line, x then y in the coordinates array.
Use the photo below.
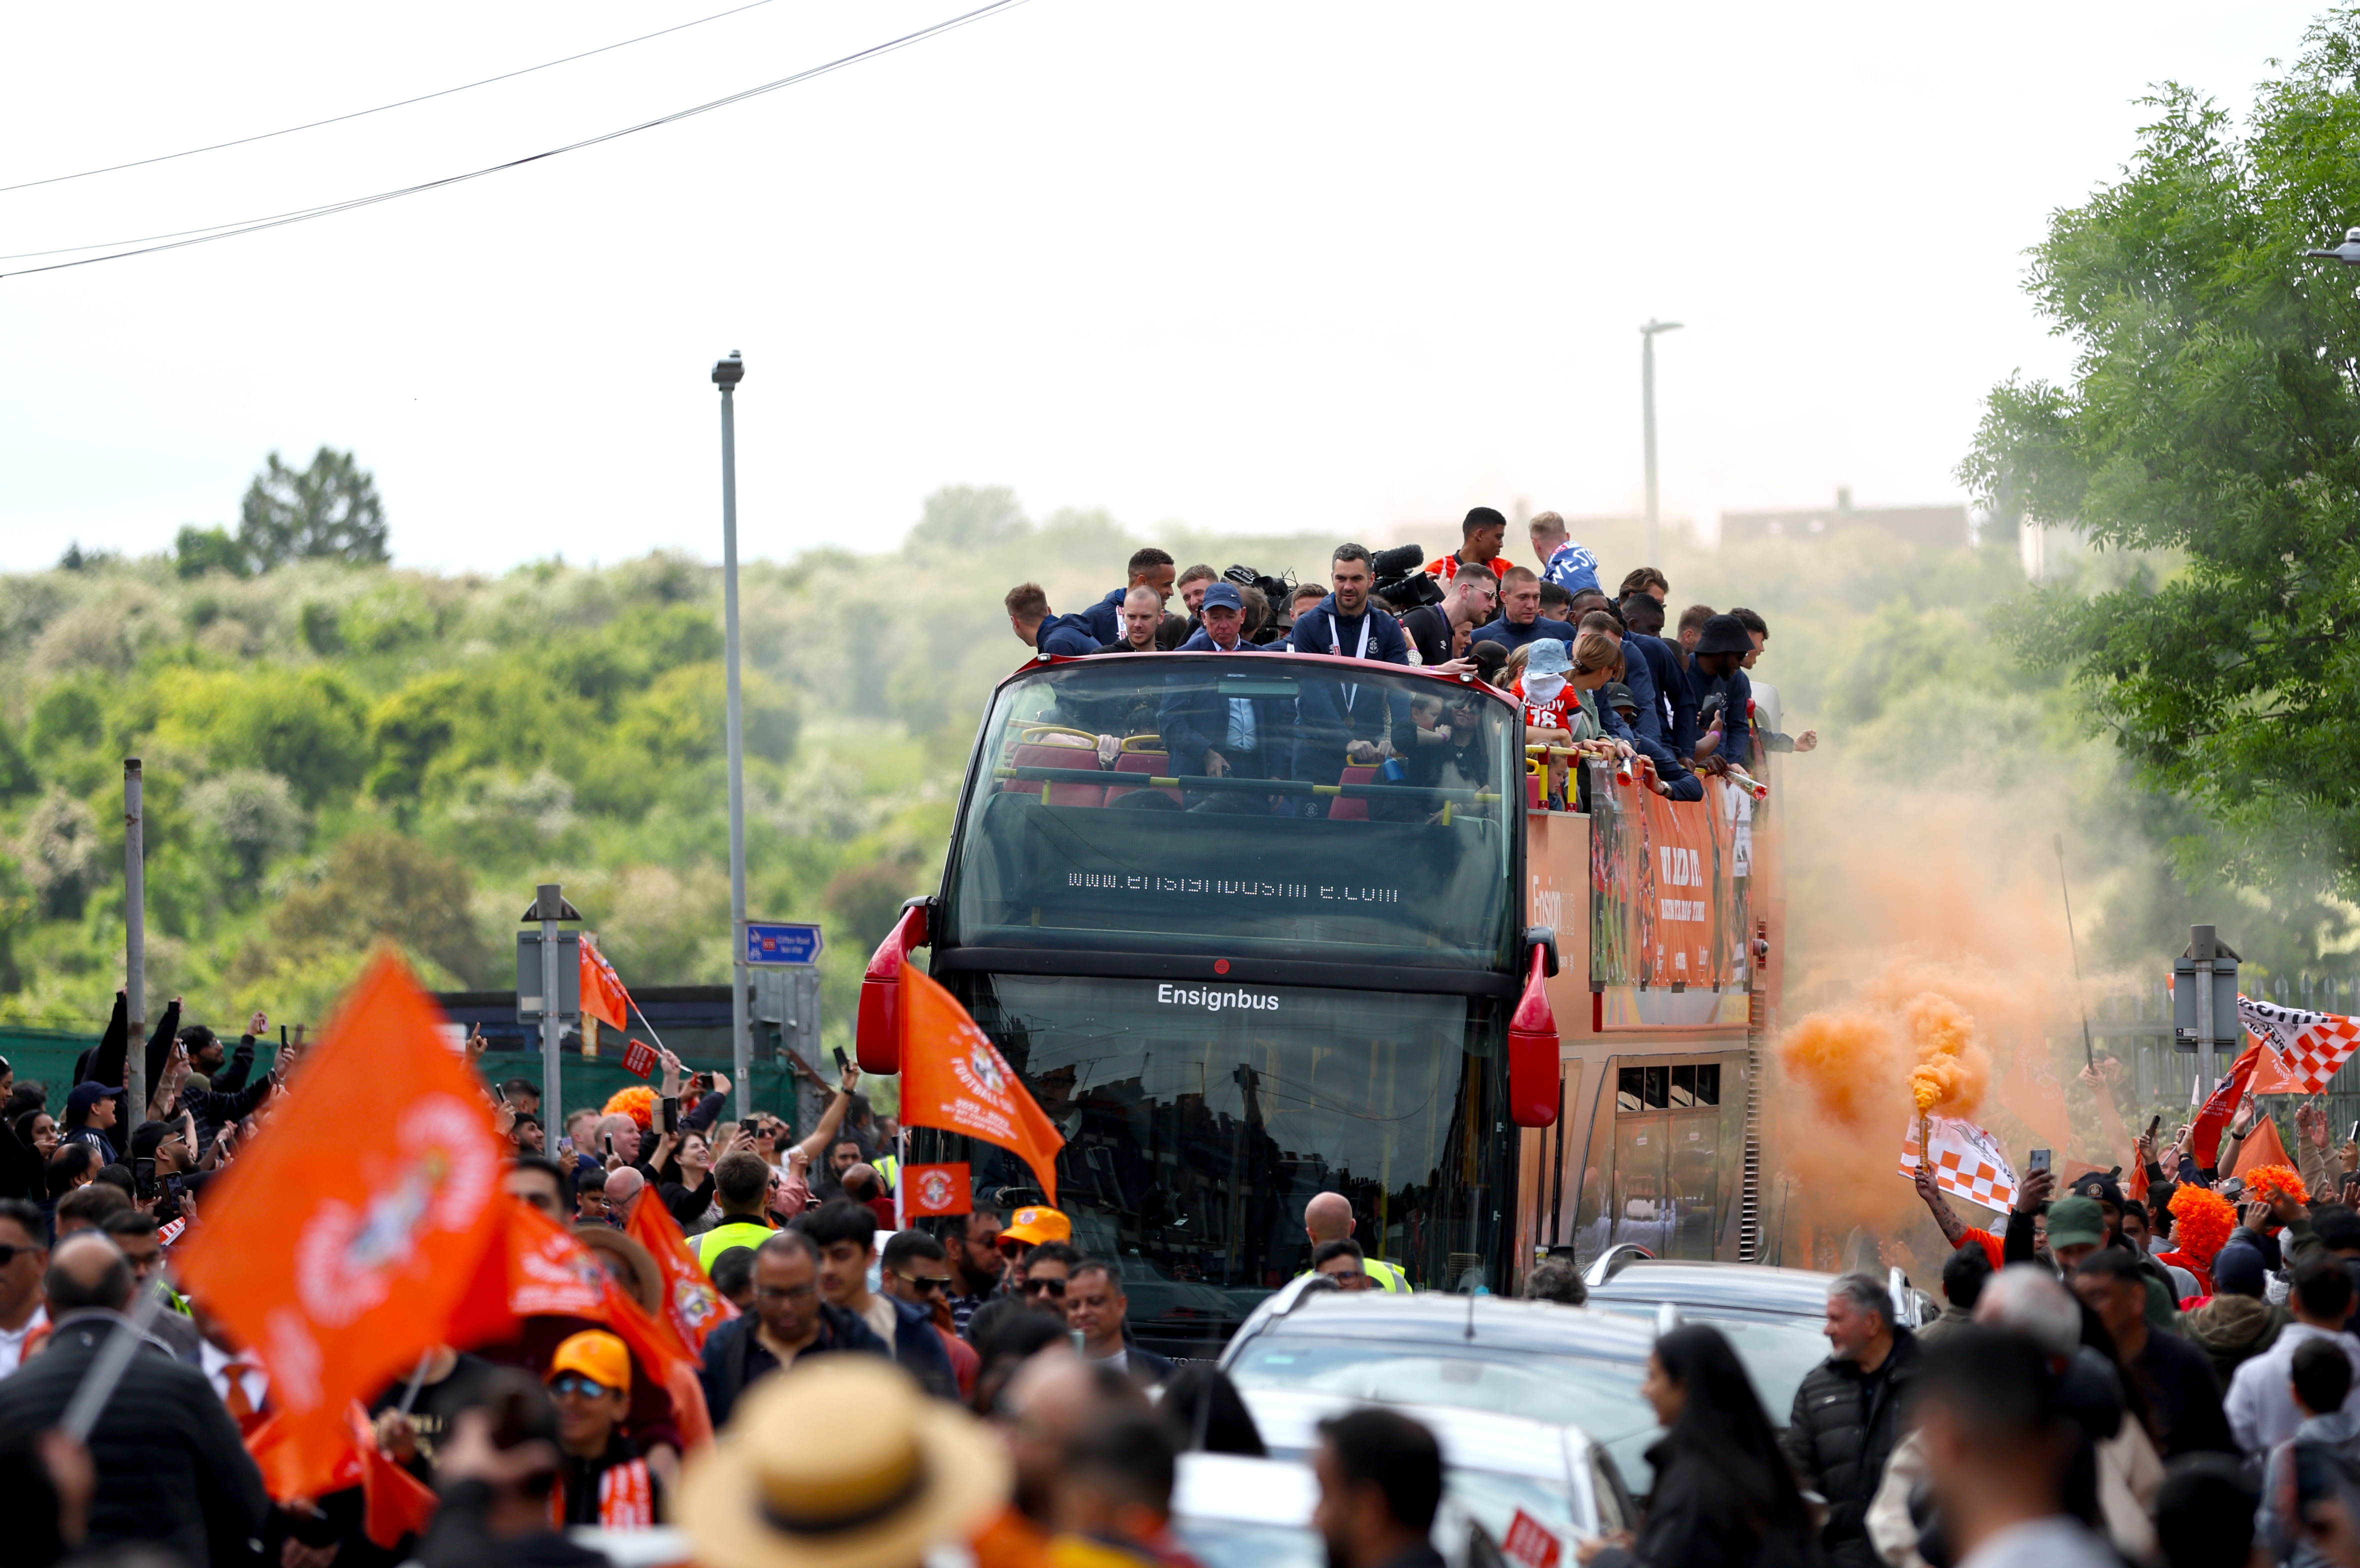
{"type": "Point", "coordinates": [329, 511]}
{"type": "Point", "coordinates": [2214, 414]}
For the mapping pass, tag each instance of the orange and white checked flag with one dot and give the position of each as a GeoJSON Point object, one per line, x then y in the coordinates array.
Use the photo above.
{"type": "Point", "coordinates": [2310, 1046]}
{"type": "Point", "coordinates": [1966, 1160]}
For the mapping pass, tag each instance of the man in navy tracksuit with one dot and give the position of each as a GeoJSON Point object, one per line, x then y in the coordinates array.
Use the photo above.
{"type": "Point", "coordinates": [1331, 714]}
{"type": "Point", "coordinates": [1643, 614]}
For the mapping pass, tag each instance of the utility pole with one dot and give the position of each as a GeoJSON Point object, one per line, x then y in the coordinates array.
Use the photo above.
{"type": "Point", "coordinates": [1647, 398]}
{"type": "Point", "coordinates": [134, 948]}
{"type": "Point", "coordinates": [726, 374]}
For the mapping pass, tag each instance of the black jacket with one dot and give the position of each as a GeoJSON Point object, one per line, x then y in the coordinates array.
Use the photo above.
{"type": "Point", "coordinates": [1840, 1457]}
{"type": "Point", "coordinates": [1671, 683]}
{"type": "Point", "coordinates": [1692, 1522]}
{"type": "Point", "coordinates": [731, 1360]}
{"type": "Point", "coordinates": [170, 1467]}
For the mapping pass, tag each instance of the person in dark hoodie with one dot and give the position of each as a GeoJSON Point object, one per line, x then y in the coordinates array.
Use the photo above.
{"type": "Point", "coordinates": [1043, 630]}
{"type": "Point", "coordinates": [1716, 672]}
{"type": "Point", "coordinates": [788, 1323]}
{"type": "Point", "coordinates": [1642, 613]}
{"type": "Point", "coordinates": [2236, 1324]}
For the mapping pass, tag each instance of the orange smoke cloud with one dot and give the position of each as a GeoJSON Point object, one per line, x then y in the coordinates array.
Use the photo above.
{"type": "Point", "coordinates": [1952, 1068]}
{"type": "Point", "coordinates": [1845, 1062]}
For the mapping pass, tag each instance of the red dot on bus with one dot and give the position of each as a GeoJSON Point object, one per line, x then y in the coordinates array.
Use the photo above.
{"type": "Point", "coordinates": [1220, 966]}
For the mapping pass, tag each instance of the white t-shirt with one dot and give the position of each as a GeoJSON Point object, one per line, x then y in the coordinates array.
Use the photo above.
{"type": "Point", "coordinates": [12, 1340]}
{"type": "Point", "coordinates": [881, 1316]}
{"type": "Point", "coordinates": [2054, 1542]}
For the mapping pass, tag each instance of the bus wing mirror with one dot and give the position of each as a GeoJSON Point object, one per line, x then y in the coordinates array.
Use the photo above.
{"type": "Point", "coordinates": [1532, 1048]}
{"type": "Point", "coordinates": [878, 1037]}
{"type": "Point", "coordinates": [1545, 937]}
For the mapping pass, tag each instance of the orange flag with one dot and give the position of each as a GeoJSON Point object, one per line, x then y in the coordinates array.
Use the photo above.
{"type": "Point", "coordinates": [2262, 1146]}
{"type": "Point", "coordinates": [342, 1240]}
{"type": "Point", "coordinates": [394, 1503]}
{"type": "Point", "coordinates": [953, 1078]}
{"type": "Point", "coordinates": [602, 996]}
{"type": "Point", "coordinates": [693, 1308]}
{"type": "Point", "coordinates": [539, 1269]}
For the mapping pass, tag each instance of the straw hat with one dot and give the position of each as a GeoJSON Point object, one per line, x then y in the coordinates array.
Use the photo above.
{"type": "Point", "coordinates": [645, 1282]}
{"type": "Point", "coordinates": [791, 1482]}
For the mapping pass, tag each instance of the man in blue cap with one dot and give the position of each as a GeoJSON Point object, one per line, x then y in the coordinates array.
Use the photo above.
{"type": "Point", "coordinates": [1223, 611]}
{"type": "Point", "coordinates": [91, 1110]}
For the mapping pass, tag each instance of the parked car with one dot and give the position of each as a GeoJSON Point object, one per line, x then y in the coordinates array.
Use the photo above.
{"type": "Point", "coordinates": [1545, 1363]}
{"type": "Point", "coordinates": [1774, 1317]}
{"type": "Point", "coordinates": [1231, 1511]}
{"type": "Point", "coordinates": [1497, 1467]}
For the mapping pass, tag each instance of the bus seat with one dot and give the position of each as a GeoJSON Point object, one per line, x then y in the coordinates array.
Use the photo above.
{"type": "Point", "coordinates": [1056, 793]}
{"type": "Point", "coordinates": [1155, 764]}
{"type": "Point", "coordinates": [1345, 809]}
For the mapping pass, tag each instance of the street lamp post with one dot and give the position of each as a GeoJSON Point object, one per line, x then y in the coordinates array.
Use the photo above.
{"type": "Point", "coordinates": [726, 374]}
{"type": "Point", "coordinates": [1647, 399]}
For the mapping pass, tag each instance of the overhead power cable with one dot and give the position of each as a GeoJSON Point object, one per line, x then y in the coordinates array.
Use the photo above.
{"type": "Point", "coordinates": [381, 108]}
{"type": "Point", "coordinates": [207, 235]}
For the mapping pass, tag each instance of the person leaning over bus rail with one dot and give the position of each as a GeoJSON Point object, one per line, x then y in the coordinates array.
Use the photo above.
{"type": "Point", "coordinates": [1328, 1217]}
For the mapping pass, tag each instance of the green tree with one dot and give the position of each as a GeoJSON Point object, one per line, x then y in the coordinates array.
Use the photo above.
{"type": "Point", "coordinates": [196, 551]}
{"type": "Point", "coordinates": [380, 886]}
{"type": "Point", "coordinates": [329, 511]}
{"type": "Point", "coordinates": [2214, 414]}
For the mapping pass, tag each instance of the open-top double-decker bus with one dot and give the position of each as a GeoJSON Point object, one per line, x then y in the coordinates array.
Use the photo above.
{"type": "Point", "coordinates": [1241, 956]}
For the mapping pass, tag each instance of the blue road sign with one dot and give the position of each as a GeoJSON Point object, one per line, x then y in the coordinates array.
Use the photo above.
{"type": "Point", "coordinates": [782, 944]}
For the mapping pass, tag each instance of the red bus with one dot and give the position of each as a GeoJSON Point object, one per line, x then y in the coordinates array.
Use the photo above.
{"type": "Point", "coordinates": [1252, 927]}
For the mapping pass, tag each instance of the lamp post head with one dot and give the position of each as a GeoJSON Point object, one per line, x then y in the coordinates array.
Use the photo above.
{"type": "Point", "coordinates": [1652, 328]}
{"type": "Point", "coordinates": [727, 372]}
{"type": "Point", "coordinates": [2348, 252]}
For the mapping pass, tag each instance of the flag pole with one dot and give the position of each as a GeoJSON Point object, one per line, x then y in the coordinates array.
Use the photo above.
{"type": "Point", "coordinates": [900, 1175]}
{"type": "Point", "coordinates": [2089, 1053]}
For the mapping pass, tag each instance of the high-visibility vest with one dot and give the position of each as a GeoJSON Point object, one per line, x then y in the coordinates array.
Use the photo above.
{"type": "Point", "coordinates": [889, 1169]}
{"type": "Point", "coordinates": [1388, 1276]}
{"type": "Point", "coordinates": [722, 1237]}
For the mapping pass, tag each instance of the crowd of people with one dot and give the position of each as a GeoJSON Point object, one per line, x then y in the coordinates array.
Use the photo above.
{"type": "Point", "coordinates": [2171, 1377]}
{"type": "Point", "coordinates": [986, 1349]}
{"type": "Point", "coordinates": [1593, 671]}
{"type": "Point", "coordinates": [2190, 1344]}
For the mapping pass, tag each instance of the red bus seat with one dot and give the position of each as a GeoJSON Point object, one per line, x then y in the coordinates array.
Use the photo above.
{"type": "Point", "coordinates": [1154, 764]}
{"type": "Point", "coordinates": [1344, 809]}
{"type": "Point", "coordinates": [1056, 793]}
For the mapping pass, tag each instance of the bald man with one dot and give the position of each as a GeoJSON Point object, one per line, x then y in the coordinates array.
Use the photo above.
{"type": "Point", "coordinates": [623, 1189]}
{"type": "Point", "coordinates": [1328, 1217]}
{"type": "Point", "coordinates": [171, 1470]}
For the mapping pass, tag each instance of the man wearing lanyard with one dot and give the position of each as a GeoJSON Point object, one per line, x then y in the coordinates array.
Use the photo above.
{"type": "Point", "coordinates": [1222, 737]}
{"type": "Point", "coordinates": [1333, 714]}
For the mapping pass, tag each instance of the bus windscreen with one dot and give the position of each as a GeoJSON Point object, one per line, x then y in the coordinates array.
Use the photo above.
{"type": "Point", "coordinates": [1241, 805]}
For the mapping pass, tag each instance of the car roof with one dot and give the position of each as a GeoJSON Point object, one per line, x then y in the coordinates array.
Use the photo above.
{"type": "Point", "coordinates": [1447, 1322]}
{"type": "Point", "coordinates": [1242, 1487]}
{"type": "Point", "coordinates": [1289, 1419]}
{"type": "Point", "coordinates": [1735, 1286]}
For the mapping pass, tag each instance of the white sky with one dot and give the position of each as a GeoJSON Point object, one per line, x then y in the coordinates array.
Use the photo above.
{"type": "Point", "coordinates": [1253, 266]}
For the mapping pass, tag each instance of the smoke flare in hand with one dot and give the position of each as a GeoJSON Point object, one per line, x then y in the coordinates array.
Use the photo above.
{"type": "Point", "coordinates": [1952, 1068]}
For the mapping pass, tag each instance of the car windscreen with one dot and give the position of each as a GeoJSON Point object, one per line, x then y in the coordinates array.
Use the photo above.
{"type": "Point", "coordinates": [1599, 1395]}
{"type": "Point", "coordinates": [1240, 805]}
{"type": "Point", "coordinates": [1777, 1350]}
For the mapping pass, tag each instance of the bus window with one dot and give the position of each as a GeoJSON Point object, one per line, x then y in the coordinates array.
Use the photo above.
{"type": "Point", "coordinates": [1235, 806]}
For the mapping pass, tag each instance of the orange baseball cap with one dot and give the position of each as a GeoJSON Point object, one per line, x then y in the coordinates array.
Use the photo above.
{"type": "Point", "coordinates": [1034, 1225]}
{"type": "Point", "coordinates": [597, 1355]}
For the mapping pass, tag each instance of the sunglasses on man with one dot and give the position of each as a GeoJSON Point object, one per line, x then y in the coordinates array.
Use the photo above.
{"type": "Point", "coordinates": [1053, 1286]}
{"type": "Point", "coordinates": [576, 1385]}
{"type": "Point", "coordinates": [927, 1281]}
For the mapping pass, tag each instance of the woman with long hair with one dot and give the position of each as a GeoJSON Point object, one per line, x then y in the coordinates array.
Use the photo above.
{"type": "Point", "coordinates": [1725, 1497]}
